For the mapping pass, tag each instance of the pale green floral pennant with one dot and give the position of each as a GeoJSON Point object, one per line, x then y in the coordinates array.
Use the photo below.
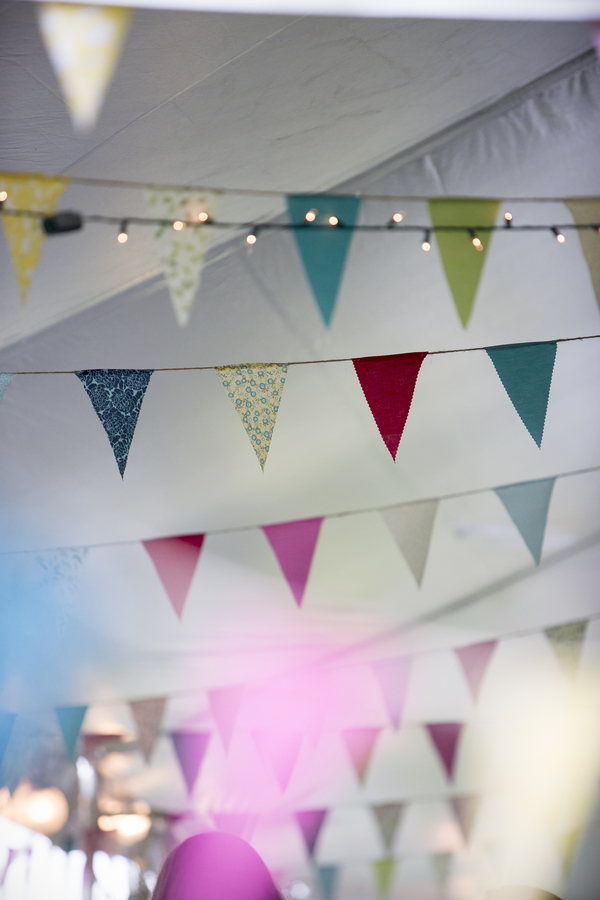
{"type": "Point", "coordinates": [182, 252]}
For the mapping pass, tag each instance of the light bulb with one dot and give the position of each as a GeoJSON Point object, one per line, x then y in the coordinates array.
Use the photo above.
{"type": "Point", "coordinates": [122, 235]}
{"type": "Point", "coordinates": [203, 216]}
{"type": "Point", "coordinates": [333, 220]}
{"type": "Point", "coordinates": [508, 216]}
{"type": "Point", "coordinates": [425, 246]}
{"type": "Point", "coordinates": [178, 226]}
{"type": "Point", "coordinates": [251, 239]}
{"type": "Point", "coordinates": [397, 217]}
{"type": "Point", "coordinates": [558, 235]}
{"type": "Point", "coordinates": [477, 243]}
{"type": "Point", "coordinates": [311, 215]}
{"type": "Point", "coordinates": [3, 196]}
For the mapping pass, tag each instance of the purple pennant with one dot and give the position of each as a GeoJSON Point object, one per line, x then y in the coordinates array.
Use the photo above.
{"type": "Point", "coordinates": [310, 822]}
{"type": "Point", "coordinates": [393, 676]}
{"type": "Point", "coordinates": [474, 660]}
{"type": "Point", "coordinates": [445, 737]}
{"type": "Point", "coordinates": [190, 748]}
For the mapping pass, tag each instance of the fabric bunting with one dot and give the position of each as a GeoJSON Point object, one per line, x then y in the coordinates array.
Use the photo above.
{"type": "Point", "coordinates": [411, 526]}
{"type": "Point", "coordinates": [5, 380]}
{"type": "Point", "coordinates": [7, 723]}
{"type": "Point", "coordinates": [525, 370]}
{"type": "Point", "coordinates": [388, 383]}
{"type": "Point", "coordinates": [84, 45]}
{"type": "Point", "coordinates": [444, 736]}
{"type": "Point", "coordinates": [280, 750]}
{"type": "Point", "coordinates": [175, 561]}
{"type": "Point", "coordinates": [240, 824]}
{"type": "Point", "coordinates": [190, 749]}
{"type": "Point", "coordinates": [294, 546]}
{"type": "Point", "coordinates": [567, 642]}
{"type": "Point", "coordinates": [310, 822]}
{"type": "Point", "coordinates": [393, 677]}
{"type": "Point", "coordinates": [527, 504]}
{"type": "Point", "coordinates": [70, 719]}
{"type": "Point", "coordinates": [441, 863]}
{"type": "Point", "coordinates": [463, 264]}
{"type": "Point", "coordinates": [384, 870]}
{"type": "Point", "coordinates": [225, 706]}
{"type": "Point", "coordinates": [465, 809]}
{"type": "Point", "coordinates": [323, 250]}
{"type": "Point", "coordinates": [148, 714]}
{"type": "Point", "coordinates": [255, 391]}
{"type": "Point", "coordinates": [586, 211]}
{"type": "Point", "coordinates": [24, 235]}
{"type": "Point", "coordinates": [182, 253]}
{"type": "Point", "coordinates": [361, 744]}
{"type": "Point", "coordinates": [474, 660]}
{"type": "Point", "coordinates": [327, 877]}
{"type": "Point", "coordinates": [117, 396]}
{"type": "Point", "coordinates": [388, 817]}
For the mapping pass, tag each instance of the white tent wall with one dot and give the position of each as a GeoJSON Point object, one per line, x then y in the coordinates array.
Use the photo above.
{"type": "Point", "coordinates": [111, 635]}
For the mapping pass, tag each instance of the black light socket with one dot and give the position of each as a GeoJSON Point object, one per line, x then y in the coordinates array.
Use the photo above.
{"type": "Point", "coordinates": [62, 222]}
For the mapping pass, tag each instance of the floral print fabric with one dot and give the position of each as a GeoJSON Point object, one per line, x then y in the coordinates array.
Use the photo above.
{"type": "Point", "coordinates": [117, 395]}
{"type": "Point", "coordinates": [255, 391]}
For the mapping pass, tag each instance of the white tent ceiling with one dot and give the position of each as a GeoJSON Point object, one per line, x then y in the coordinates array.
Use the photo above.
{"type": "Point", "coordinates": [425, 108]}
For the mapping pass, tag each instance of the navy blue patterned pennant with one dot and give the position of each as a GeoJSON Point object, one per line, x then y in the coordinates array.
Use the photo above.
{"type": "Point", "coordinates": [117, 395]}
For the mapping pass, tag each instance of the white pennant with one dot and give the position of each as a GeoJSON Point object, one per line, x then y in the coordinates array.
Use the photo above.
{"type": "Point", "coordinates": [182, 252]}
{"type": "Point", "coordinates": [411, 527]}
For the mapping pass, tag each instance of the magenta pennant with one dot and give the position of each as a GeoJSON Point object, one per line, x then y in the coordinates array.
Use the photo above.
{"type": "Point", "coordinates": [175, 560]}
{"type": "Point", "coordinates": [280, 749]}
{"type": "Point", "coordinates": [393, 676]}
{"type": "Point", "coordinates": [465, 810]}
{"type": "Point", "coordinates": [388, 383]}
{"type": "Point", "coordinates": [294, 545]}
{"type": "Point", "coordinates": [445, 737]}
{"type": "Point", "coordinates": [310, 822]}
{"type": "Point", "coordinates": [225, 705]}
{"type": "Point", "coordinates": [190, 748]}
{"type": "Point", "coordinates": [361, 743]}
{"type": "Point", "coordinates": [474, 659]}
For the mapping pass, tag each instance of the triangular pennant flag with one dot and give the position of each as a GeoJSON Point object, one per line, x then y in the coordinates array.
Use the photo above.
{"type": "Point", "coordinates": [327, 877]}
{"type": "Point", "coordinates": [527, 504]}
{"type": "Point", "coordinates": [586, 211]}
{"type": "Point", "coordinates": [384, 870]}
{"type": "Point", "coordinates": [323, 246]}
{"type": "Point", "coordinates": [411, 527]}
{"type": "Point", "coordinates": [280, 750]}
{"type": "Point", "coordinates": [24, 234]}
{"type": "Point", "coordinates": [388, 817]}
{"type": "Point", "coordinates": [255, 392]}
{"type": "Point", "coordinates": [294, 546]}
{"type": "Point", "coordinates": [388, 383]}
{"type": "Point", "coordinates": [441, 865]}
{"type": "Point", "coordinates": [361, 744]}
{"type": "Point", "coordinates": [148, 714]}
{"type": "Point", "coordinates": [465, 809]}
{"type": "Point", "coordinates": [474, 659]}
{"type": "Point", "coordinates": [568, 851]}
{"type": "Point", "coordinates": [525, 370]}
{"type": "Point", "coordinates": [182, 253]}
{"type": "Point", "coordinates": [70, 719]}
{"type": "Point", "coordinates": [190, 748]}
{"type": "Point", "coordinates": [310, 822]}
{"type": "Point", "coordinates": [462, 263]}
{"type": "Point", "coordinates": [225, 705]}
{"type": "Point", "coordinates": [175, 561]}
{"type": "Point", "coordinates": [445, 737]}
{"type": "Point", "coordinates": [5, 380]}
{"type": "Point", "coordinates": [116, 396]}
{"type": "Point", "coordinates": [240, 824]}
{"type": "Point", "coordinates": [84, 45]}
{"type": "Point", "coordinates": [393, 677]}
{"type": "Point", "coordinates": [567, 641]}
{"type": "Point", "coordinates": [7, 721]}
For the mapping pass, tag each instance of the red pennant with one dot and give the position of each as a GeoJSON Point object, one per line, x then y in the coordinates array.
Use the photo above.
{"type": "Point", "coordinates": [360, 743]}
{"type": "Point", "coordinates": [445, 737]}
{"type": "Point", "coordinates": [393, 676]}
{"type": "Point", "coordinates": [311, 822]}
{"type": "Point", "coordinates": [175, 561]}
{"type": "Point", "coordinates": [388, 383]}
{"type": "Point", "coordinates": [225, 706]}
{"type": "Point", "coordinates": [280, 749]}
{"type": "Point", "coordinates": [474, 660]}
{"type": "Point", "coordinates": [294, 545]}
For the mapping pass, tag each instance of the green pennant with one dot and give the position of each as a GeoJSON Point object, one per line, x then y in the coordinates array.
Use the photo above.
{"type": "Point", "coordinates": [586, 211]}
{"type": "Point", "coordinates": [384, 870]}
{"type": "Point", "coordinates": [70, 719]}
{"type": "Point", "coordinates": [527, 504]}
{"type": "Point", "coordinates": [463, 263]}
{"type": "Point", "coordinates": [567, 641]}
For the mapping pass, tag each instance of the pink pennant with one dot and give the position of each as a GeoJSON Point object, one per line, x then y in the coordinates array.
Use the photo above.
{"type": "Point", "coordinates": [175, 561]}
{"type": "Point", "coordinates": [311, 822]}
{"type": "Point", "coordinates": [294, 545]}
{"type": "Point", "coordinates": [393, 676]}
{"type": "Point", "coordinates": [445, 737]}
{"type": "Point", "coordinates": [388, 383]}
{"type": "Point", "coordinates": [474, 660]}
{"type": "Point", "coordinates": [190, 749]}
{"type": "Point", "coordinates": [360, 743]}
{"type": "Point", "coordinates": [240, 824]}
{"type": "Point", "coordinates": [280, 749]}
{"type": "Point", "coordinates": [225, 706]}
